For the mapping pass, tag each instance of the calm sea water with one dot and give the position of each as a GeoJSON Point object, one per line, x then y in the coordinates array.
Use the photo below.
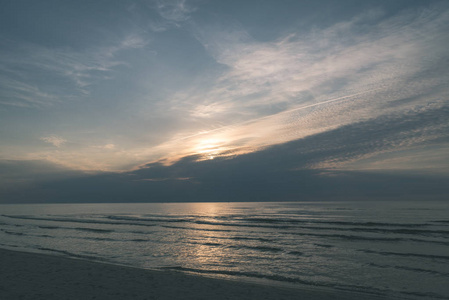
{"type": "Point", "coordinates": [398, 249]}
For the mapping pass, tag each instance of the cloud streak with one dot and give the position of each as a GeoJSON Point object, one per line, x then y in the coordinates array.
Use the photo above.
{"type": "Point", "coordinates": [24, 69]}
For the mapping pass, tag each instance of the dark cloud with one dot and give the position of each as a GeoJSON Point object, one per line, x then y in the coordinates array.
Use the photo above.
{"type": "Point", "coordinates": [278, 173]}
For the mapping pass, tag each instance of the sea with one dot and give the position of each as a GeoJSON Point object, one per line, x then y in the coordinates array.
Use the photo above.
{"type": "Point", "coordinates": [396, 249]}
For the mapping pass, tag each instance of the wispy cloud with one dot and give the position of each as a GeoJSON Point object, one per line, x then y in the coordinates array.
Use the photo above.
{"type": "Point", "coordinates": [55, 140]}
{"type": "Point", "coordinates": [175, 11]}
{"type": "Point", "coordinates": [67, 72]}
{"type": "Point", "coordinates": [301, 68]}
{"type": "Point", "coordinates": [106, 147]}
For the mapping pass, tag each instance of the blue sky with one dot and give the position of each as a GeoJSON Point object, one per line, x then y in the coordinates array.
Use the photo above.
{"type": "Point", "coordinates": [89, 88]}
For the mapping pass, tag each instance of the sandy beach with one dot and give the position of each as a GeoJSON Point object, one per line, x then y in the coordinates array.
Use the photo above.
{"type": "Point", "coordinates": [38, 276]}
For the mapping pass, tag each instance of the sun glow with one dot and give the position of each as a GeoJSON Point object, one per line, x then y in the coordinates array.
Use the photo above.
{"type": "Point", "coordinates": [209, 148]}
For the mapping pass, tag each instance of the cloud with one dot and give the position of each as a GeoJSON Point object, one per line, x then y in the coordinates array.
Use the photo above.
{"type": "Point", "coordinates": [175, 11]}
{"type": "Point", "coordinates": [277, 173]}
{"type": "Point", "coordinates": [376, 67]}
{"type": "Point", "coordinates": [21, 94]}
{"type": "Point", "coordinates": [106, 147]}
{"type": "Point", "coordinates": [36, 76]}
{"type": "Point", "coordinates": [369, 67]}
{"type": "Point", "coordinates": [54, 140]}
{"type": "Point", "coordinates": [16, 175]}
{"type": "Point", "coordinates": [319, 63]}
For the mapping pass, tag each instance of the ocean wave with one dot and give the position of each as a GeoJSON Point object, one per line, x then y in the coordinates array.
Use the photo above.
{"type": "Point", "coordinates": [441, 221]}
{"type": "Point", "coordinates": [256, 248]}
{"type": "Point", "coordinates": [139, 240]}
{"type": "Point", "coordinates": [419, 270]}
{"type": "Point", "coordinates": [254, 222]}
{"type": "Point", "coordinates": [26, 234]}
{"type": "Point", "coordinates": [324, 245]}
{"type": "Point", "coordinates": [151, 220]}
{"type": "Point", "coordinates": [239, 224]}
{"type": "Point", "coordinates": [384, 230]}
{"type": "Point", "coordinates": [430, 256]}
{"type": "Point", "coordinates": [429, 241]}
{"type": "Point", "coordinates": [428, 295]}
{"type": "Point", "coordinates": [349, 237]}
{"type": "Point", "coordinates": [239, 247]}
{"type": "Point", "coordinates": [238, 238]}
{"type": "Point", "coordinates": [197, 229]}
{"type": "Point", "coordinates": [52, 227]}
{"type": "Point", "coordinates": [346, 223]}
{"type": "Point", "coordinates": [12, 232]}
{"type": "Point", "coordinates": [211, 244]}
{"type": "Point", "coordinates": [93, 229]}
{"type": "Point", "coordinates": [83, 221]}
{"type": "Point", "coordinates": [280, 278]}
{"type": "Point", "coordinates": [337, 236]}
{"type": "Point", "coordinates": [77, 228]}
{"type": "Point", "coordinates": [74, 255]}
{"type": "Point", "coordinates": [102, 239]}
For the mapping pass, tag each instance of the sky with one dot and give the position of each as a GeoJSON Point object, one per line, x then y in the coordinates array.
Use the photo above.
{"type": "Point", "coordinates": [148, 101]}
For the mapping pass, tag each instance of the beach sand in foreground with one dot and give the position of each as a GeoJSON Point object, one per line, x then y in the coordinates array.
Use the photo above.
{"type": "Point", "coordinates": [39, 276]}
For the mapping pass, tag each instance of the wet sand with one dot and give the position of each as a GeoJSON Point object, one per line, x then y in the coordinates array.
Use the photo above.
{"type": "Point", "coordinates": [40, 276]}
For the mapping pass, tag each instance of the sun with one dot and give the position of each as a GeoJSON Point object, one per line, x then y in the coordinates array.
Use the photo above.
{"type": "Point", "coordinates": [209, 148]}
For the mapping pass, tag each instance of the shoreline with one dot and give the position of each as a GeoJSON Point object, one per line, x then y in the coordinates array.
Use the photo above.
{"type": "Point", "coordinates": [27, 275]}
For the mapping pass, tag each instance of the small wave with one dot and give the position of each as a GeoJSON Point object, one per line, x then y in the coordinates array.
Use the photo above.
{"type": "Point", "coordinates": [430, 241]}
{"type": "Point", "coordinates": [77, 228]}
{"type": "Point", "coordinates": [212, 244]}
{"type": "Point", "coordinates": [346, 223]}
{"type": "Point", "coordinates": [100, 239]}
{"type": "Point", "coordinates": [65, 220]}
{"type": "Point", "coordinates": [367, 238]}
{"type": "Point", "coordinates": [405, 254]}
{"type": "Point", "coordinates": [12, 232]}
{"type": "Point", "coordinates": [141, 232]}
{"type": "Point", "coordinates": [206, 244]}
{"type": "Point", "coordinates": [246, 274]}
{"type": "Point", "coordinates": [197, 229]}
{"type": "Point", "coordinates": [241, 238]}
{"type": "Point", "coordinates": [257, 248]}
{"type": "Point", "coordinates": [428, 295]}
{"type": "Point", "coordinates": [67, 253]}
{"type": "Point", "coordinates": [238, 247]}
{"type": "Point", "coordinates": [240, 224]}
{"type": "Point", "coordinates": [93, 229]}
{"type": "Point", "coordinates": [383, 230]}
{"type": "Point", "coordinates": [151, 220]}
{"type": "Point", "coordinates": [419, 270]}
{"type": "Point", "coordinates": [8, 245]}
{"type": "Point", "coordinates": [297, 253]}
{"type": "Point", "coordinates": [348, 237]}
{"type": "Point", "coordinates": [324, 245]}
{"type": "Point", "coordinates": [51, 227]}
{"type": "Point", "coordinates": [139, 240]}
{"type": "Point", "coordinates": [238, 238]}
{"type": "Point", "coordinates": [280, 278]}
